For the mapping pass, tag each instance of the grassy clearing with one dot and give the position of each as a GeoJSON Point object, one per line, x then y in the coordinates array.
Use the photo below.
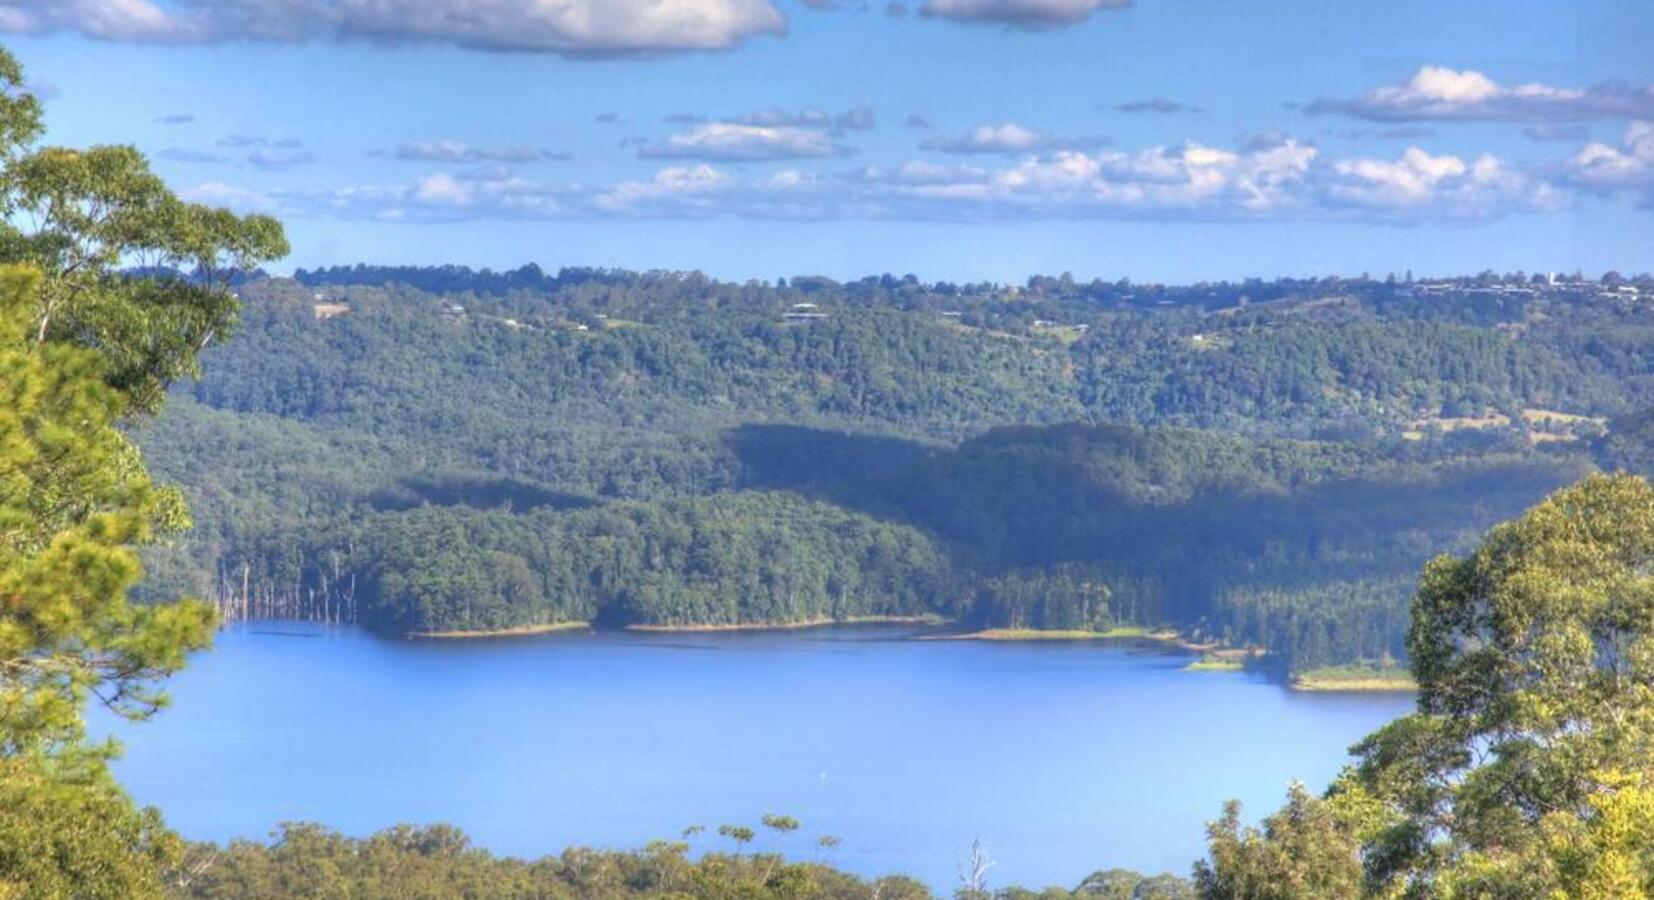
{"type": "Point", "coordinates": [514, 631]}
{"type": "Point", "coordinates": [789, 626]}
{"type": "Point", "coordinates": [1356, 678]}
{"type": "Point", "coordinates": [1119, 632]}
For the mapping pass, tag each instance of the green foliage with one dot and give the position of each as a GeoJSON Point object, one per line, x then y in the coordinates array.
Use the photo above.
{"type": "Point", "coordinates": [74, 499]}
{"type": "Point", "coordinates": [1526, 770]}
{"type": "Point", "coordinates": [304, 860]}
{"type": "Point", "coordinates": [1535, 663]}
{"type": "Point", "coordinates": [1305, 851]}
{"type": "Point", "coordinates": [77, 835]}
{"type": "Point", "coordinates": [625, 408]}
{"type": "Point", "coordinates": [91, 211]}
{"type": "Point", "coordinates": [82, 349]}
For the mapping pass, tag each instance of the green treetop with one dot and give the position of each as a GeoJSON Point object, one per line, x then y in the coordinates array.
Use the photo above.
{"type": "Point", "coordinates": [82, 347]}
{"type": "Point", "coordinates": [1528, 770]}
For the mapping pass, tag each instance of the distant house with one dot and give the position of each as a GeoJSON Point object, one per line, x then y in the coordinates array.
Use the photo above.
{"type": "Point", "coordinates": [453, 310]}
{"type": "Point", "coordinates": [330, 310]}
{"type": "Point", "coordinates": [804, 312]}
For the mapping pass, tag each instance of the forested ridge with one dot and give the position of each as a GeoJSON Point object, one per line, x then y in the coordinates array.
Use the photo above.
{"type": "Point", "coordinates": [1264, 463]}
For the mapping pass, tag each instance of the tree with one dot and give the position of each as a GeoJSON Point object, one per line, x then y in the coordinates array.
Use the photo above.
{"type": "Point", "coordinates": [82, 840]}
{"type": "Point", "coordinates": [1304, 851]}
{"type": "Point", "coordinates": [1535, 663]}
{"type": "Point", "coordinates": [74, 501]}
{"type": "Point", "coordinates": [80, 215]}
{"type": "Point", "coordinates": [1528, 769]}
{"type": "Point", "coordinates": [82, 348]}
{"type": "Point", "coordinates": [740, 834]}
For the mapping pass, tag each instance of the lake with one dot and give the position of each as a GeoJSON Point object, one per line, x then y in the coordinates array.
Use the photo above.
{"type": "Point", "coordinates": [1060, 757]}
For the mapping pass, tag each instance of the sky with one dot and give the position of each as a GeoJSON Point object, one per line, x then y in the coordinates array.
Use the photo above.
{"type": "Point", "coordinates": [1160, 140]}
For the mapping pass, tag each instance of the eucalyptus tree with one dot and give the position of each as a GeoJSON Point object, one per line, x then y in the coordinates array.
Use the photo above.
{"type": "Point", "coordinates": [1528, 768]}
{"type": "Point", "coordinates": [84, 347]}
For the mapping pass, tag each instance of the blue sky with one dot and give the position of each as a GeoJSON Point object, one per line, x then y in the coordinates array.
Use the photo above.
{"type": "Point", "coordinates": [1171, 140]}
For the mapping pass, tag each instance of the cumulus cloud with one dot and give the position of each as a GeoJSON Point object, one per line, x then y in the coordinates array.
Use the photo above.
{"type": "Point", "coordinates": [769, 134]}
{"type": "Point", "coordinates": [688, 188]}
{"type": "Point", "coordinates": [1155, 105]}
{"type": "Point", "coordinates": [1008, 137]}
{"type": "Point", "coordinates": [1608, 169]}
{"type": "Point", "coordinates": [1436, 92]}
{"type": "Point", "coordinates": [1437, 186]}
{"type": "Point", "coordinates": [240, 199]}
{"type": "Point", "coordinates": [1283, 180]}
{"type": "Point", "coordinates": [1274, 180]}
{"type": "Point", "coordinates": [1020, 13]}
{"type": "Point", "coordinates": [574, 27]}
{"type": "Point", "coordinates": [443, 197]}
{"type": "Point", "coordinates": [461, 152]}
{"type": "Point", "coordinates": [739, 142]}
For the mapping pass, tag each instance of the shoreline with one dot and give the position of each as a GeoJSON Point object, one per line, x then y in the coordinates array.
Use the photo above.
{"type": "Point", "coordinates": [513, 631]}
{"type": "Point", "coordinates": [1353, 680]}
{"type": "Point", "coordinates": [1166, 636]}
{"type": "Point", "coordinates": [784, 626]}
{"type": "Point", "coordinates": [1214, 657]}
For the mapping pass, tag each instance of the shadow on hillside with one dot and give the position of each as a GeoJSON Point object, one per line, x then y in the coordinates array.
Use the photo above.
{"type": "Point", "coordinates": [843, 467]}
{"type": "Point", "coordinates": [475, 491]}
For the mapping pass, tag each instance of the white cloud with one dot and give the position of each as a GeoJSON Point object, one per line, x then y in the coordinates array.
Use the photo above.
{"type": "Point", "coordinates": [571, 26]}
{"type": "Point", "coordinates": [735, 142]}
{"type": "Point", "coordinates": [1439, 186]}
{"type": "Point", "coordinates": [1286, 180]}
{"type": "Point", "coordinates": [681, 188]}
{"type": "Point", "coordinates": [1008, 137]}
{"type": "Point", "coordinates": [461, 152]}
{"type": "Point", "coordinates": [1436, 92]}
{"type": "Point", "coordinates": [240, 199]}
{"type": "Point", "coordinates": [1628, 167]}
{"type": "Point", "coordinates": [444, 197]}
{"type": "Point", "coordinates": [1023, 13]}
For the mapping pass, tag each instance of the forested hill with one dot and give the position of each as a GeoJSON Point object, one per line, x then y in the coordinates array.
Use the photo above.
{"type": "Point", "coordinates": [440, 449]}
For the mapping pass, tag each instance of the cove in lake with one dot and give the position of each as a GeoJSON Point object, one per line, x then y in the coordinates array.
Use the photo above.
{"type": "Point", "coordinates": [1061, 757]}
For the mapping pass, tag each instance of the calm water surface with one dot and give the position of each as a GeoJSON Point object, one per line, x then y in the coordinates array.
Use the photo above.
{"type": "Point", "coordinates": [1060, 757]}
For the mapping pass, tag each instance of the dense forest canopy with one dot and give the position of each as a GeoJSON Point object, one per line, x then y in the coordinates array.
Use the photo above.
{"type": "Point", "coordinates": [1265, 463]}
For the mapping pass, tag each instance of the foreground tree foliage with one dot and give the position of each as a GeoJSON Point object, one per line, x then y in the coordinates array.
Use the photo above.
{"type": "Point", "coordinates": [1526, 771]}
{"type": "Point", "coordinates": [82, 350]}
{"type": "Point", "coordinates": [304, 861]}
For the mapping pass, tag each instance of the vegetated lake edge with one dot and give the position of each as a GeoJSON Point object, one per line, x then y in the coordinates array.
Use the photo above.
{"type": "Point", "coordinates": [1211, 656]}
{"type": "Point", "coordinates": [449, 452]}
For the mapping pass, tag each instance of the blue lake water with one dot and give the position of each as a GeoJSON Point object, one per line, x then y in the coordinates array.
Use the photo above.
{"type": "Point", "coordinates": [1060, 757]}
